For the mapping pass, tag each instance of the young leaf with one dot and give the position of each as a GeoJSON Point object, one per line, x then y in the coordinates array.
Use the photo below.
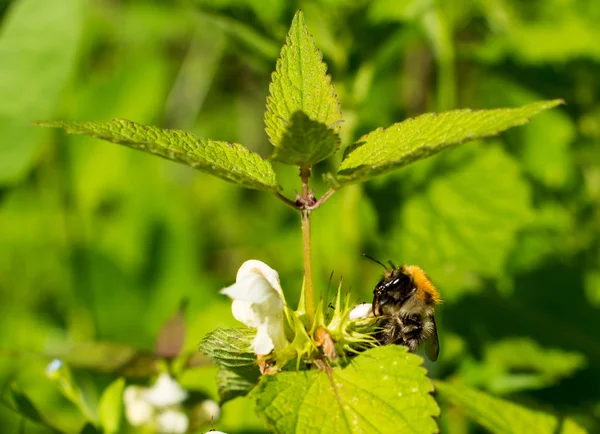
{"type": "Point", "coordinates": [382, 390]}
{"type": "Point", "coordinates": [500, 416]}
{"type": "Point", "coordinates": [229, 349]}
{"type": "Point", "coordinates": [305, 141]}
{"type": "Point", "coordinates": [111, 405]}
{"type": "Point", "coordinates": [300, 84]}
{"type": "Point", "coordinates": [386, 149]}
{"type": "Point", "coordinates": [228, 161]}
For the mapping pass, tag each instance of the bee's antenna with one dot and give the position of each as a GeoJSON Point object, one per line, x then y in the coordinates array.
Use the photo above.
{"type": "Point", "coordinates": [376, 261]}
{"type": "Point", "coordinates": [392, 264]}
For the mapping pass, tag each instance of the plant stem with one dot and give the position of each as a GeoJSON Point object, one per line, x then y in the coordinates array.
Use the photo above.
{"type": "Point", "coordinates": [309, 298]}
{"type": "Point", "coordinates": [323, 198]}
{"type": "Point", "coordinates": [287, 201]}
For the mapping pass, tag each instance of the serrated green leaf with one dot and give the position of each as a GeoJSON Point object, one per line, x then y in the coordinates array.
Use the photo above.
{"type": "Point", "coordinates": [382, 390]}
{"type": "Point", "coordinates": [462, 225]}
{"type": "Point", "coordinates": [300, 84]}
{"type": "Point", "coordinates": [111, 405]}
{"type": "Point", "coordinates": [500, 416]}
{"type": "Point", "coordinates": [230, 385]}
{"type": "Point", "coordinates": [544, 146]}
{"type": "Point", "coordinates": [305, 141]}
{"type": "Point", "coordinates": [228, 161]}
{"type": "Point", "coordinates": [38, 47]}
{"type": "Point", "coordinates": [387, 149]}
{"type": "Point", "coordinates": [230, 350]}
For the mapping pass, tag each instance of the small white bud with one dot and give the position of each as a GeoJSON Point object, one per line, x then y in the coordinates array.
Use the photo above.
{"type": "Point", "coordinates": [362, 311]}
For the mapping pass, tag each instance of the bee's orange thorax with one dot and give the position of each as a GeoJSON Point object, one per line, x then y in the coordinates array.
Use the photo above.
{"type": "Point", "coordinates": [425, 289]}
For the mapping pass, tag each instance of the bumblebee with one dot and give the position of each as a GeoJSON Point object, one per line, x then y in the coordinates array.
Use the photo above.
{"type": "Point", "coordinates": [405, 299]}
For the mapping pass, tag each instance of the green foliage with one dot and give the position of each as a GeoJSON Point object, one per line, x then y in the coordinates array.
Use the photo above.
{"type": "Point", "coordinates": [500, 416]}
{"type": "Point", "coordinates": [65, 382]}
{"type": "Point", "coordinates": [28, 410]}
{"type": "Point", "coordinates": [110, 407]}
{"type": "Point", "coordinates": [513, 365]}
{"type": "Point", "coordinates": [303, 111]}
{"type": "Point", "coordinates": [238, 369]}
{"type": "Point", "coordinates": [386, 149]}
{"type": "Point", "coordinates": [100, 245]}
{"type": "Point", "coordinates": [26, 407]}
{"type": "Point", "coordinates": [382, 390]}
{"type": "Point", "coordinates": [473, 212]}
{"type": "Point", "coordinates": [228, 161]}
{"type": "Point", "coordinates": [26, 93]}
{"type": "Point", "coordinates": [305, 141]}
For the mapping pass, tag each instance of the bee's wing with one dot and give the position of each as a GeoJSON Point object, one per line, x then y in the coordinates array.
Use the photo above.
{"type": "Point", "coordinates": [432, 346]}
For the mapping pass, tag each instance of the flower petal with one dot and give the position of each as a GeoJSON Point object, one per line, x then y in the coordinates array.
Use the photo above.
{"type": "Point", "coordinates": [137, 410]}
{"type": "Point", "coordinates": [211, 410]}
{"type": "Point", "coordinates": [243, 312]}
{"type": "Point", "coordinates": [166, 391]}
{"type": "Point", "coordinates": [254, 266]}
{"type": "Point", "coordinates": [262, 342]}
{"type": "Point", "coordinates": [254, 288]}
{"type": "Point", "coordinates": [172, 422]}
{"type": "Point", "coordinates": [276, 331]}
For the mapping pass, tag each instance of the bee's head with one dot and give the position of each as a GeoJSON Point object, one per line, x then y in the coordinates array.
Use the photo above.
{"type": "Point", "coordinates": [392, 291]}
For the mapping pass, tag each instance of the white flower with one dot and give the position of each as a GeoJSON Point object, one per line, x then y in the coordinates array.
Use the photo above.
{"type": "Point", "coordinates": [137, 410]}
{"type": "Point", "coordinates": [210, 410]}
{"type": "Point", "coordinates": [157, 407]}
{"type": "Point", "coordinates": [362, 311]}
{"type": "Point", "coordinates": [166, 391]}
{"type": "Point", "coordinates": [172, 422]}
{"type": "Point", "coordinates": [258, 302]}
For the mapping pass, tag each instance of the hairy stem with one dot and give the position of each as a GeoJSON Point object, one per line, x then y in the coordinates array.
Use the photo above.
{"type": "Point", "coordinates": [309, 298]}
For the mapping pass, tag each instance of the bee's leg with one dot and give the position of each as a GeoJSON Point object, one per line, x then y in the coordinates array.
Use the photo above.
{"type": "Point", "coordinates": [391, 332]}
{"type": "Point", "coordinates": [412, 333]}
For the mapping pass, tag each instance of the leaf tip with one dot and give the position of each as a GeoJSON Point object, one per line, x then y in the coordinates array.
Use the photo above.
{"type": "Point", "coordinates": [42, 123]}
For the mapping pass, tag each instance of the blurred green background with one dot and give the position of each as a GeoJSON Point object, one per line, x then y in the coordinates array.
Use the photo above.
{"type": "Point", "coordinates": [101, 243]}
